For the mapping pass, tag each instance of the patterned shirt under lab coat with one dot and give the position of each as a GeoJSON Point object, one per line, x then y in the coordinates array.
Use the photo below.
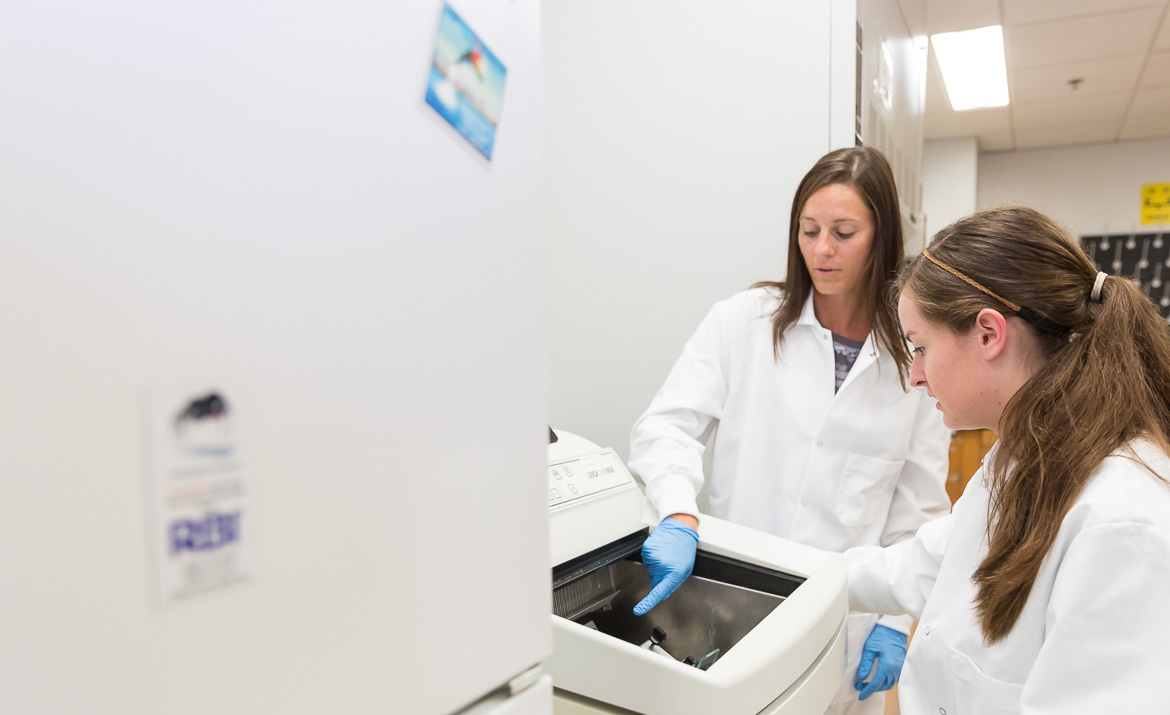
{"type": "Point", "coordinates": [1093, 635]}
{"type": "Point", "coordinates": [863, 466]}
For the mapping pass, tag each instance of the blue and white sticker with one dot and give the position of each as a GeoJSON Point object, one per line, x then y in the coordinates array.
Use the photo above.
{"type": "Point", "coordinates": [203, 518]}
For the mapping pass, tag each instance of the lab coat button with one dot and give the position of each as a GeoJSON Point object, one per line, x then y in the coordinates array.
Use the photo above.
{"type": "Point", "coordinates": [820, 443]}
{"type": "Point", "coordinates": [927, 630]}
{"type": "Point", "coordinates": [942, 711]}
{"type": "Point", "coordinates": [804, 502]}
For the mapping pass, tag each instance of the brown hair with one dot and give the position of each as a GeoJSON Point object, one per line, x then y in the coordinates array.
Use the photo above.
{"type": "Point", "coordinates": [867, 172]}
{"type": "Point", "coordinates": [1105, 382]}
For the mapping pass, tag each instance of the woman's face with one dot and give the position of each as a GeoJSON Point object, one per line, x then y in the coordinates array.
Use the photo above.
{"type": "Point", "coordinates": [947, 366]}
{"type": "Point", "coordinates": [836, 239]}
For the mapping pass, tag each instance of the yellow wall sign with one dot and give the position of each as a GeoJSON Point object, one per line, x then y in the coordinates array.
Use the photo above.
{"type": "Point", "coordinates": [1155, 203]}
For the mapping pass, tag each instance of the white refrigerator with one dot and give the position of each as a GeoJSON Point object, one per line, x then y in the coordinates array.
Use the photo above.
{"type": "Point", "coordinates": [272, 363]}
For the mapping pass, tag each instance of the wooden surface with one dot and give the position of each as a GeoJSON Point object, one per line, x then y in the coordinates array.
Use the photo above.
{"type": "Point", "coordinates": [968, 448]}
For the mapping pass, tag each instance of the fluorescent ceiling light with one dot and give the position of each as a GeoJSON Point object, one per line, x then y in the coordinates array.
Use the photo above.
{"type": "Point", "coordinates": [973, 68]}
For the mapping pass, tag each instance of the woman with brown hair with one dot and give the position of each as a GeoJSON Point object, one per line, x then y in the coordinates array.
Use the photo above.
{"type": "Point", "coordinates": [1045, 589]}
{"type": "Point", "coordinates": [804, 383]}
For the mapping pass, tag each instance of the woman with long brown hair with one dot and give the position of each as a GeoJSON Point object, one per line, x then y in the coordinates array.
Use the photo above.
{"type": "Point", "coordinates": [1045, 589]}
{"type": "Point", "coordinates": [818, 437]}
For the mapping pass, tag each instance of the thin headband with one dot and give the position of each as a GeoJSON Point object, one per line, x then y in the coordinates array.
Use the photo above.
{"type": "Point", "coordinates": [1025, 312]}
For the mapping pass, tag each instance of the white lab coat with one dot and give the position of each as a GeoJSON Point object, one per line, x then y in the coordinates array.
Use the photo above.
{"type": "Point", "coordinates": [863, 466]}
{"type": "Point", "coordinates": [1093, 635]}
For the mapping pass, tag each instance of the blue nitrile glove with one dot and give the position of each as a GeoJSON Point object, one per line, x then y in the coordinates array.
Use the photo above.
{"type": "Point", "coordinates": [669, 555]}
{"type": "Point", "coordinates": [889, 647]}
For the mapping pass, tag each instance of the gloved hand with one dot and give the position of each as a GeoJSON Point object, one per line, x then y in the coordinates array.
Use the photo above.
{"type": "Point", "coordinates": [888, 646]}
{"type": "Point", "coordinates": [669, 555]}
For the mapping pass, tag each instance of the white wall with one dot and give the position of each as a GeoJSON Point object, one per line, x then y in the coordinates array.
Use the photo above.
{"type": "Point", "coordinates": [950, 171]}
{"type": "Point", "coordinates": [1092, 189]}
{"type": "Point", "coordinates": [675, 136]}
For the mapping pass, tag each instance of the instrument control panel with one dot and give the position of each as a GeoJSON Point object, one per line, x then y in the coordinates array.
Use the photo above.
{"type": "Point", "coordinates": [583, 476]}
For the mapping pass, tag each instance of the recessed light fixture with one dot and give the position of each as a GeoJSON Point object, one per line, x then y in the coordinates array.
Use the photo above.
{"type": "Point", "coordinates": [972, 66]}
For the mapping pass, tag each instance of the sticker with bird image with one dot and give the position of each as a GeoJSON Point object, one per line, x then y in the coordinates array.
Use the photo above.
{"type": "Point", "coordinates": [466, 85]}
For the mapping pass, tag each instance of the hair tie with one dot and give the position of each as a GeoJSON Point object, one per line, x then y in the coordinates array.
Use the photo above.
{"type": "Point", "coordinates": [1095, 296]}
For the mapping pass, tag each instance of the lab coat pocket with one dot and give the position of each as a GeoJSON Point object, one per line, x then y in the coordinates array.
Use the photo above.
{"type": "Point", "coordinates": [864, 488]}
{"type": "Point", "coordinates": [977, 692]}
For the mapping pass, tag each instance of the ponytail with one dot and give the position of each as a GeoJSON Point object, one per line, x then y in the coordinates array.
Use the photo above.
{"type": "Point", "coordinates": [1108, 385]}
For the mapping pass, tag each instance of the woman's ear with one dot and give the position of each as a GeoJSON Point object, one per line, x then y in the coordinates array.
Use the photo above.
{"type": "Point", "coordinates": [991, 330]}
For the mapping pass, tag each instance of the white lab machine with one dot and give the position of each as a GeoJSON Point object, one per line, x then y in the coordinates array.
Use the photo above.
{"type": "Point", "coordinates": [757, 628]}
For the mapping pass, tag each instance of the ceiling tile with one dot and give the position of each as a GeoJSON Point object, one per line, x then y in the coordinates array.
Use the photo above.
{"type": "Point", "coordinates": [991, 126]}
{"type": "Point", "coordinates": [1077, 109]}
{"type": "Point", "coordinates": [1049, 42]}
{"type": "Point", "coordinates": [1066, 134]}
{"type": "Point", "coordinates": [968, 123]}
{"type": "Point", "coordinates": [1152, 102]}
{"type": "Point", "coordinates": [1085, 38]}
{"type": "Point", "coordinates": [1115, 74]}
{"type": "Point", "coordinates": [951, 16]}
{"type": "Point", "coordinates": [1016, 12]}
{"type": "Point", "coordinates": [1145, 127]}
{"type": "Point", "coordinates": [1157, 72]}
{"type": "Point", "coordinates": [1163, 41]}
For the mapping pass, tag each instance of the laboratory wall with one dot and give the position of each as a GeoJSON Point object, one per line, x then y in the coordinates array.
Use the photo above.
{"type": "Point", "coordinates": [251, 200]}
{"type": "Point", "coordinates": [950, 170]}
{"type": "Point", "coordinates": [1091, 189]}
{"type": "Point", "coordinates": [675, 136]}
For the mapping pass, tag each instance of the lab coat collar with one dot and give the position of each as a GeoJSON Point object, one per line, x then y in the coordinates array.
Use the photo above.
{"type": "Point", "coordinates": [808, 316]}
{"type": "Point", "coordinates": [865, 359]}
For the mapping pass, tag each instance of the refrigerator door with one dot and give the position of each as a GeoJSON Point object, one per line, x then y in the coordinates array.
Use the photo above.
{"type": "Point", "coordinates": [253, 197]}
{"type": "Point", "coordinates": [536, 700]}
